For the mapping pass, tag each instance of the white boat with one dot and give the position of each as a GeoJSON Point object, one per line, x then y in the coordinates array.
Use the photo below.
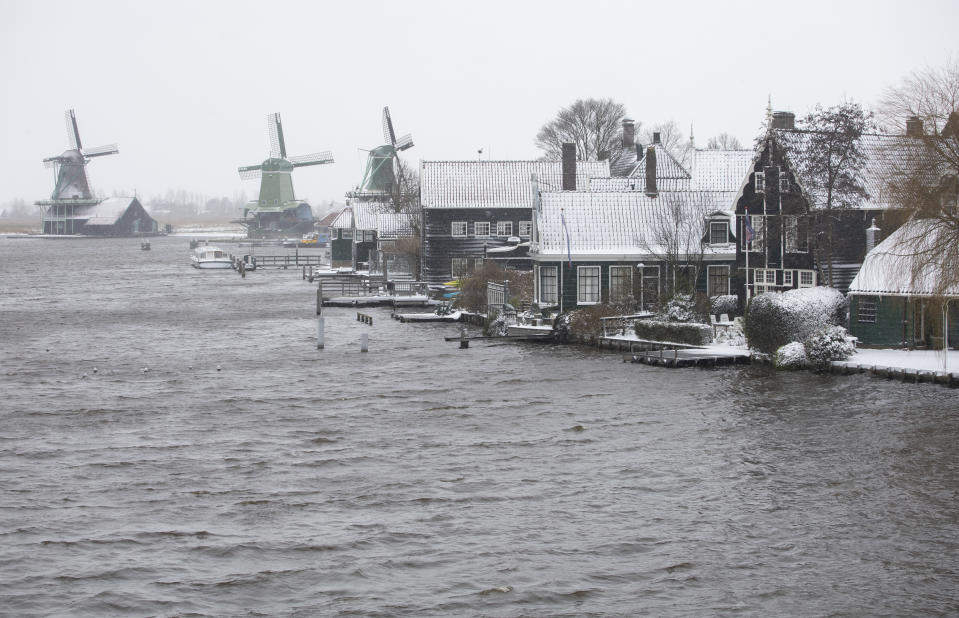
{"type": "Point", "coordinates": [208, 256]}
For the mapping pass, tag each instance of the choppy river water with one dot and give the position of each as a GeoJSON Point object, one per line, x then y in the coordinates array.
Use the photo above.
{"type": "Point", "coordinates": [137, 478]}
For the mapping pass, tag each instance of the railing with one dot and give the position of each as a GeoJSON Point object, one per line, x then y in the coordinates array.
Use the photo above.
{"type": "Point", "coordinates": [360, 288]}
{"type": "Point", "coordinates": [622, 324]}
{"type": "Point", "coordinates": [288, 260]}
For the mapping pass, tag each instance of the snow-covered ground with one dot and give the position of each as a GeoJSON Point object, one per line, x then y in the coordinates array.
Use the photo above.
{"type": "Point", "coordinates": [922, 360]}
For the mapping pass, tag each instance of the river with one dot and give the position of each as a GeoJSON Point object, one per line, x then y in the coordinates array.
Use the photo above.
{"type": "Point", "coordinates": [173, 443]}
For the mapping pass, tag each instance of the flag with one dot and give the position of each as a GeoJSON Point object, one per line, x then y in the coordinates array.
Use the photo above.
{"type": "Point", "coordinates": [569, 254]}
{"type": "Point", "coordinates": [750, 234]}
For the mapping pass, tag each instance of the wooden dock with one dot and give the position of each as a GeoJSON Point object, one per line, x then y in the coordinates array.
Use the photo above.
{"type": "Point", "coordinates": [676, 358]}
{"type": "Point", "coordinates": [914, 376]}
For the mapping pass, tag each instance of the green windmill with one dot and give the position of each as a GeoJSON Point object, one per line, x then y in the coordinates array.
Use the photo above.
{"type": "Point", "coordinates": [380, 175]}
{"type": "Point", "coordinates": [277, 211]}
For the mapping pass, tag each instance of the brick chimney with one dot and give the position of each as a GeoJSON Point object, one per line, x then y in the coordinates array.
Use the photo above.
{"type": "Point", "coordinates": [569, 167]}
{"type": "Point", "coordinates": [657, 137]}
{"type": "Point", "coordinates": [914, 126]}
{"type": "Point", "coordinates": [651, 168]}
{"type": "Point", "coordinates": [784, 120]}
{"type": "Point", "coordinates": [629, 133]}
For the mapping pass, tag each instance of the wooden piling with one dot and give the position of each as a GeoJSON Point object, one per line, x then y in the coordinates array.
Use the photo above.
{"type": "Point", "coordinates": [364, 342]}
{"type": "Point", "coordinates": [319, 333]}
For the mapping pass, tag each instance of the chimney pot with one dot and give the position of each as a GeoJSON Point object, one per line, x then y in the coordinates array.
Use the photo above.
{"type": "Point", "coordinates": [656, 137]}
{"type": "Point", "coordinates": [914, 126]}
{"type": "Point", "coordinates": [651, 170]}
{"type": "Point", "coordinates": [569, 167]}
{"type": "Point", "coordinates": [784, 120]}
{"type": "Point", "coordinates": [629, 133]}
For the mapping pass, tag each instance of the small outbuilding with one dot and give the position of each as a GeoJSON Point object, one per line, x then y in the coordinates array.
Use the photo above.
{"type": "Point", "coordinates": [901, 296]}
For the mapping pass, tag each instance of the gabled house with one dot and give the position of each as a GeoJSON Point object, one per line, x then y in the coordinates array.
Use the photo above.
{"type": "Point", "coordinates": [362, 229]}
{"type": "Point", "coordinates": [630, 247]}
{"type": "Point", "coordinates": [784, 208]}
{"type": "Point", "coordinates": [898, 298]}
{"type": "Point", "coordinates": [115, 216]}
{"type": "Point", "coordinates": [482, 210]}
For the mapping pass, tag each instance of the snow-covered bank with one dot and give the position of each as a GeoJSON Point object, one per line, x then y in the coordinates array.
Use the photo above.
{"type": "Point", "coordinates": [920, 360]}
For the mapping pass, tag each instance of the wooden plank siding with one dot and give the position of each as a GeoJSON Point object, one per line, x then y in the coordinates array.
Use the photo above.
{"type": "Point", "coordinates": [440, 246]}
{"type": "Point", "coordinates": [897, 322]}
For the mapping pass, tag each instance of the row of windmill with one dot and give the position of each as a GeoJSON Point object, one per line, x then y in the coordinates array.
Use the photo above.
{"type": "Point", "coordinates": [275, 212]}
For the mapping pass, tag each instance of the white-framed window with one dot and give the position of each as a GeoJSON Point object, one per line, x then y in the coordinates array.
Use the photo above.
{"type": "Point", "coordinates": [458, 229]}
{"type": "Point", "coordinates": [764, 276]}
{"type": "Point", "coordinates": [481, 228]}
{"type": "Point", "coordinates": [717, 280]}
{"type": "Point", "coordinates": [549, 284]}
{"type": "Point", "coordinates": [525, 229]}
{"type": "Point", "coordinates": [760, 178]}
{"type": "Point", "coordinates": [504, 228]}
{"type": "Point", "coordinates": [587, 285]}
{"type": "Point", "coordinates": [787, 278]}
{"type": "Point", "coordinates": [464, 266]}
{"type": "Point", "coordinates": [347, 234]}
{"type": "Point", "coordinates": [684, 277]}
{"type": "Point", "coordinates": [867, 310]}
{"type": "Point", "coordinates": [718, 232]}
{"type": "Point", "coordinates": [620, 283]}
{"type": "Point", "coordinates": [758, 223]}
{"type": "Point", "coordinates": [783, 182]}
{"type": "Point", "coordinates": [650, 287]}
{"type": "Point", "coordinates": [791, 233]}
{"type": "Point", "coordinates": [807, 278]}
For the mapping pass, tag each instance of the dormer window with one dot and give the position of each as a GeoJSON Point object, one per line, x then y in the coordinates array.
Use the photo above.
{"type": "Point", "coordinates": [760, 182]}
{"type": "Point", "coordinates": [718, 232]}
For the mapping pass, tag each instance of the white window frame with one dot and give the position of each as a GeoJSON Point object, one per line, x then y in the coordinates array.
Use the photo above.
{"type": "Point", "coordinates": [758, 223]}
{"type": "Point", "coordinates": [783, 182]}
{"type": "Point", "coordinates": [627, 283]}
{"type": "Point", "coordinates": [764, 276]}
{"type": "Point", "coordinates": [464, 267]}
{"type": "Point", "coordinates": [787, 278]}
{"type": "Point", "coordinates": [709, 272]}
{"type": "Point", "coordinates": [504, 228]}
{"type": "Point", "coordinates": [477, 229]}
{"type": "Point", "coordinates": [525, 229]}
{"type": "Point", "coordinates": [725, 225]}
{"type": "Point", "coordinates": [459, 226]}
{"type": "Point", "coordinates": [760, 182]}
{"type": "Point", "coordinates": [791, 233]}
{"type": "Point", "coordinates": [347, 234]}
{"type": "Point", "coordinates": [871, 310]}
{"type": "Point", "coordinates": [642, 280]}
{"type": "Point", "coordinates": [544, 293]}
{"type": "Point", "coordinates": [811, 275]}
{"type": "Point", "coordinates": [581, 278]}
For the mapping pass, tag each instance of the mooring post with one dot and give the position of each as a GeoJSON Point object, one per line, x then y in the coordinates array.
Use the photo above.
{"type": "Point", "coordinates": [364, 342]}
{"type": "Point", "coordinates": [242, 269]}
{"type": "Point", "coordinates": [319, 299]}
{"type": "Point", "coordinates": [319, 333]}
{"type": "Point", "coordinates": [464, 342]}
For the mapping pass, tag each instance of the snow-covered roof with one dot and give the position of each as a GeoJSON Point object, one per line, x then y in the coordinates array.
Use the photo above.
{"type": "Point", "coordinates": [893, 268]}
{"type": "Point", "coordinates": [626, 223]}
{"type": "Point", "coordinates": [108, 211]}
{"type": "Point", "coordinates": [377, 216]}
{"type": "Point", "coordinates": [496, 184]}
{"type": "Point", "coordinates": [709, 170]}
{"type": "Point", "coordinates": [885, 157]}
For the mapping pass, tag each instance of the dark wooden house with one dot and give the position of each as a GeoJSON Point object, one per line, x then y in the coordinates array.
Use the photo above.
{"type": "Point", "coordinates": [115, 216]}
{"type": "Point", "coordinates": [475, 211]}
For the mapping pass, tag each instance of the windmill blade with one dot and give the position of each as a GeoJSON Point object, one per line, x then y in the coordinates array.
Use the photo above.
{"type": "Point", "coordinates": [250, 171]}
{"type": "Point", "coordinates": [100, 151]}
{"type": "Point", "coordinates": [388, 135]}
{"type": "Point", "coordinates": [73, 132]}
{"type": "Point", "coordinates": [277, 145]}
{"type": "Point", "coordinates": [317, 158]}
{"type": "Point", "coordinates": [404, 142]}
{"type": "Point", "coordinates": [52, 161]}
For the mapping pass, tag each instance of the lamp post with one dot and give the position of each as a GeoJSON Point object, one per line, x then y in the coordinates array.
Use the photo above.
{"type": "Point", "coordinates": [642, 287]}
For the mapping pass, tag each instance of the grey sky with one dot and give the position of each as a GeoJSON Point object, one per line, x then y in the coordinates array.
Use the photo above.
{"type": "Point", "coordinates": [184, 87]}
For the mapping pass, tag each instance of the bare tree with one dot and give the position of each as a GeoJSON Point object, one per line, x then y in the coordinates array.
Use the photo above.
{"type": "Point", "coordinates": [405, 199]}
{"type": "Point", "coordinates": [594, 125]}
{"type": "Point", "coordinates": [723, 141]}
{"type": "Point", "coordinates": [831, 163]}
{"type": "Point", "coordinates": [676, 235]}
{"type": "Point", "coordinates": [925, 182]}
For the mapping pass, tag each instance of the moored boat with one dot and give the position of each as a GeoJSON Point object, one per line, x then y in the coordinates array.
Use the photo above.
{"type": "Point", "coordinates": [209, 256]}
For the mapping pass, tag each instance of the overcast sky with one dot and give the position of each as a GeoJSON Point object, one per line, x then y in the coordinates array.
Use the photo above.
{"type": "Point", "coordinates": [184, 87]}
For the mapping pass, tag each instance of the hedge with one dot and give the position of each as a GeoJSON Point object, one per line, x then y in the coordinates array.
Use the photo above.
{"type": "Point", "coordinates": [677, 332]}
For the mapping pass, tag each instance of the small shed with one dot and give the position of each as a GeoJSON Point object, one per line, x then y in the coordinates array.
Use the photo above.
{"type": "Point", "coordinates": [900, 298]}
{"type": "Point", "coordinates": [119, 216]}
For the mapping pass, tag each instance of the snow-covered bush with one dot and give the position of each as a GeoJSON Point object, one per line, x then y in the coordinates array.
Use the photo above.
{"type": "Point", "coordinates": [586, 323]}
{"type": "Point", "coordinates": [680, 308]}
{"type": "Point", "coordinates": [773, 320]}
{"type": "Point", "coordinates": [827, 345]}
{"type": "Point", "coordinates": [497, 327]}
{"type": "Point", "coordinates": [726, 303]}
{"type": "Point", "coordinates": [791, 356]}
{"type": "Point", "coordinates": [692, 333]}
